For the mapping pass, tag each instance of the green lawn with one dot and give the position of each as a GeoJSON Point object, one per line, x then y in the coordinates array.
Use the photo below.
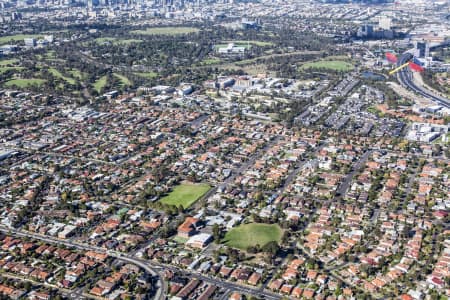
{"type": "Point", "coordinates": [23, 83]}
{"type": "Point", "coordinates": [185, 194]}
{"type": "Point", "coordinates": [116, 41]}
{"type": "Point", "coordinates": [166, 31]}
{"type": "Point", "coordinates": [335, 65]}
{"type": "Point", "coordinates": [148, 75]}
{"type": "Point", "coordinates": [18, 37]}
{"type": "Point", "coordinates": [58, 74]}
{"type": "Point", "coordinates": [252, 234]}
{"type": "Point", "coordinates": [100, 83]}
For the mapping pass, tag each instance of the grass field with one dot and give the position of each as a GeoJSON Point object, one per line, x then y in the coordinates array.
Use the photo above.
{"type": "Point", "coordinates": [148, 75]}
{"type": "Point", "coordinates": [100, 83]}
{"type": "Point", "coordinates": [18, 37]}
{"type": "Point", "coordinates": [58, 74]}
{"type": "Point", "coordinates": [23, 83]}
{"type": "Point", "coordinates": [116, 41]}
{"type": "Point", "coordinates": [335, 65]}
{"type": "Point", "coordinates": [185, 194]}
{"type": "Point", "coordinates": [252, 234]}
{"type": "Point", "coordinates": [166, 31]}
{"type": "Point", "coordinates": [124, 81]}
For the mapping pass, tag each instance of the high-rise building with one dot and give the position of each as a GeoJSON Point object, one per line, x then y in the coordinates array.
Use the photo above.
{"type": "Point", "coordinates": [385, 23]}
{"type": "Point", "coordinates": [422, 49]}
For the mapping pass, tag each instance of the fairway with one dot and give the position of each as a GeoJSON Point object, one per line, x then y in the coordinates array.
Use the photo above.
{"type": "Point", "coordinates": [246, 235]}
{"type": "Point", "coordinates": [100, 83]}
{"type": "Point", "coordinates": [5, 69]}
{"type": "Point", "coordinates": [23, 83]}
{"type": "Point", "coordinates": [18, 37]}
{"type": "Point", "coordinates": [210, 61]}
{"type": "Point", "coordinates": [335, 65]}
{"type": "Point", "coordinates": [147, 75]}
{"type": "Point", "coordinates": [116, 41]}
{"type": "Point", "coordinates": [185, 194]}
{"type": "Point", "coordinates": [77, 73]}
{"type": "Point", "coordinates": [58, 74]}
{"type": "Point", "coordinates": [8, 62]}
{"type": "Point", "coordinates": [166, 31]}
{"type": "Point", "coordinates": [123, 80]}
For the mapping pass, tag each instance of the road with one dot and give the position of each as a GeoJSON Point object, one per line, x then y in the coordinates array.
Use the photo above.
{"type": "Point", "coordinates": [160, 293]}
{"type": "Point", "coordinates": [405, 78]}
{"type": "Point", "coordinates": [343, 187]}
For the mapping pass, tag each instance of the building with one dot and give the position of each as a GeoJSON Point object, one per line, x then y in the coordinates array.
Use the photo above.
{"type": "Point", "coordinates": [30, 42]}
{"type": "Point", "coordinates": [385, 23]}
{"type": "Point", "coordinates": [425, 132]}
{"type": "Point", "coordinates": [188, 228]}
{"type": "Point", "coordinates": [422, 49]}
{"type": "Point", "coordinates": [199, 241]}
{"type": "Point", "coordinates": [231, 49]}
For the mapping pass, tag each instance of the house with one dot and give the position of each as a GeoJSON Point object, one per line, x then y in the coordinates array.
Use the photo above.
{"type": "Point", "coordinates": [254, 278]}
{"type": "Point", "coordinates": [286, 289]}
{"type": "Point", "coordinates": [297, 292]}
{"type": "Point", "coordinates": [235, 296]}
{"type": "Point", "coordinates": [276, 284]}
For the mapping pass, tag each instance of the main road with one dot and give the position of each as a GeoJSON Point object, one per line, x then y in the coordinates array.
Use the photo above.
{"type": "Point", "coordinates": [405, 78]}
{"type": "Point", "coordinates": [152, 267]}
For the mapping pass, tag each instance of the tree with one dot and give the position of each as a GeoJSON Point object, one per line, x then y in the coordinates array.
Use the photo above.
{"type": "Point", "coordinates": [271, 248]}
{"type": "Point", "coordinates": [217, 233]}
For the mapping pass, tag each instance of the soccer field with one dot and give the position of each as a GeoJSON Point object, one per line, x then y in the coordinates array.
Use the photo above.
{"type": "Point", "coordinates": [252, 234]}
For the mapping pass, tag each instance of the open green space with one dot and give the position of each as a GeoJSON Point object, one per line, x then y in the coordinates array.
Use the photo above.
{"type": "Point", "coordinates": [50, 54]}
{"type": "Point", "coordinates": [100, 83]}
{"type": "Point", "coordinates": [185, 194]}
{"type": "Point", "coordinates": [252, 234]}
{"type": "Point", "coordinates": [23, 83]}
{"type": "Point", "coordinates": [4, 69]}
{"type": "Point", "coordinates": [8, 62]}
{"type": "Point", "coordinates": [58, 74]}
{"type": "Point", "coordinates": [116, 41]}
{"type": "Point", "coordinates": [148, 75]}
{"type": "Point", "coordinates": [335, 65]}
{"type": "Point", "coordinates": [123, 80]}
{"type": "Point", "coordinates": [180, 240]}
{"type": "Point", "coordinates": [210, 61]}
{"type": "Point", "coordinates": [76, 73]}
{"type": "Point", "coordinates": [166, 30]}
{"type": "Point", "coordinates": [16, 38]}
